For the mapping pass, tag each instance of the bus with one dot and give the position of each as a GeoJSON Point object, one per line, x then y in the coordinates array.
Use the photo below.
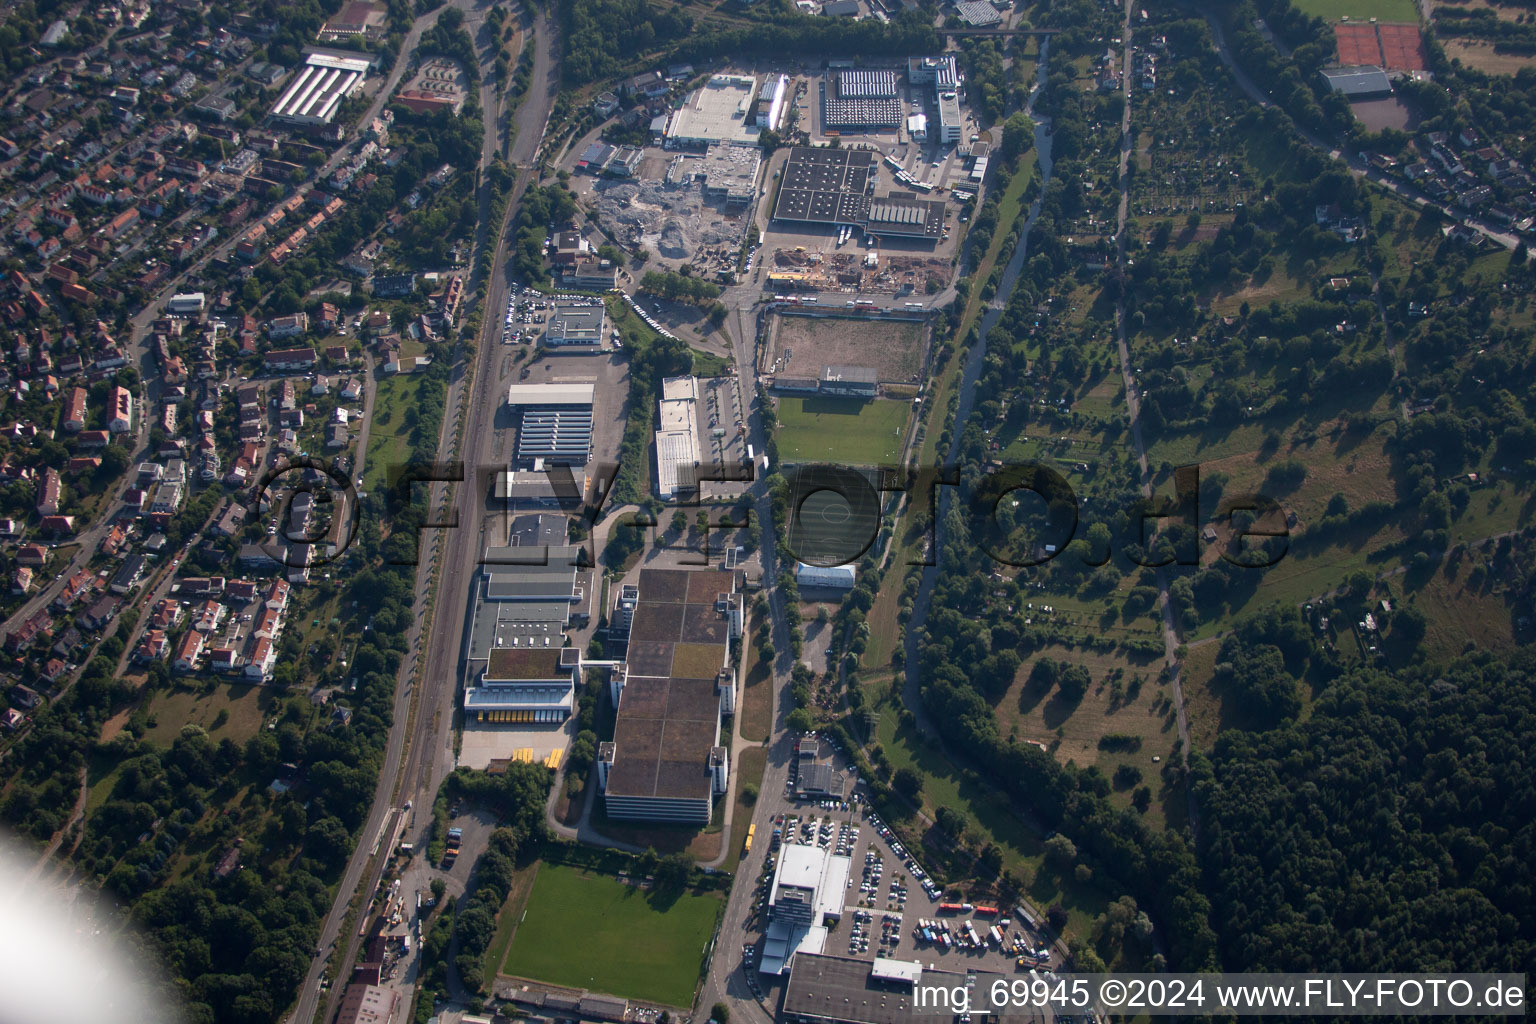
{"type": "Point", "coordinates": [751, 834]}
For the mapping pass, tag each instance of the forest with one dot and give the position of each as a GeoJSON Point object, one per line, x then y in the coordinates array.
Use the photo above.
{"type": "Point", "coordinates": [1393, 830]}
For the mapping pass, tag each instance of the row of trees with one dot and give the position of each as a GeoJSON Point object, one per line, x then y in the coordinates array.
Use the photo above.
{"type": "Point", "coordinates": [519, 794]}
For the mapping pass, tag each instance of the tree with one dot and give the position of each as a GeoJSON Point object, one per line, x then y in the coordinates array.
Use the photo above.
{"type": "Point", "coordinates": [749, 794]}
{"type": "Point", "coordinates": [907, 782]}
{"type": "Point", "coordinates": [1056, 917]}
{"type": "Point", "coordinates": [1085, 958]}
{"type": "Point", "coordinates": [1018, 136]}
{"type": "Point", "coordinates": [1060, 850]}
{"type": "Point", "coordinates": [672, 873]}
{"type": "Point", "coordinates": [951, 821]}
{"type": "Point", "coordinates": [800, 720]}
{"type": "Point", "coordinates": [679, 521]}
{"type": "Point", "coordinates": [720, 1013]}
{"type": "Point", "coordinates": [1259, 678]}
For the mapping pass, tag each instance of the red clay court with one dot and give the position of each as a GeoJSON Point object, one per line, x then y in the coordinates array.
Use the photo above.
{"type": "Point", "coordinates": [1401, 47]}
{"type": "Point", "coordinates": [1357, 44]}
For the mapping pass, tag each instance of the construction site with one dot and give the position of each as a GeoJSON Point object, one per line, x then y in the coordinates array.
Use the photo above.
{"type": "Point", "coordinates": [801, 346]}
{"type": "Point", "coordinates": [673, 220]}
{"type": "Point", "coordinates": [869, 272]}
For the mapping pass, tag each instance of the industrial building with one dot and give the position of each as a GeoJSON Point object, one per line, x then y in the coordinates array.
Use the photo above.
{"type": "Point", "coordinates": [951, 124]}
{"type": "Point", "coordinates": [843, 990]}
{"type": "Point", "coordinates": [558, 487]}
{"type": "Point", "coordinates": [665, 762]}
{"type": "Point", "coordinates": [831, 187]}
{"type": "Point", "coordinates": [522, 686]}
{"type": "Point", "coordinates": [867, 84]}
{"type": "Point", "coordinates": [677, 438]}
{"type": "Point", "coordinates": [730, 173]}
{"type": "Point", "coordinates": [576, 327]}
{"type": "Point", "coordinates": [809, 884]}
{"type": "Point", "coordinates": [716, 112]}
{"type": "Point", "coordinates": [554, 423]}
{"type": "Point", "coordinates": [773, 102]}
{"type": "Point", "coordinates": [944, 76]}
{"type": "Point", "coordinates": [525, 598]}
{"type": "Point", "coordinates": [861, 99]}
{"type": "Point", "coordinates": [978, 14]}
{"type": "Point", "coordinates": [316, 93]}
{"type": "Point", "coordinates": [940, 72]}
{"type": "Point", "coordinates": [825, 186]}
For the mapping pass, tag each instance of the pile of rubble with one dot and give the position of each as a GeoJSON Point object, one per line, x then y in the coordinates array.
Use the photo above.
{"type": "Point", "coordinates": [671, 220]}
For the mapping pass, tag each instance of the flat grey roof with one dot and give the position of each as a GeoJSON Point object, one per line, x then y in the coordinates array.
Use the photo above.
{"type": "Point", "coordinates": [838, 988]}
{"type": "Point", "coordinates": [1358, 81]}
{"type": "Point", "coordinates": [540, 530]}
{"type": "Point", "coordinates": [525, 395]}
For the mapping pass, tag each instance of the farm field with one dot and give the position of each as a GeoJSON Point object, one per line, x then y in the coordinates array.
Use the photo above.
{"type": "Point", "coordinates": [805, 344]}
{"type": "Point", "coordinates": [584, 930]}
{"type": "Point", "coordinates": [845, 431]}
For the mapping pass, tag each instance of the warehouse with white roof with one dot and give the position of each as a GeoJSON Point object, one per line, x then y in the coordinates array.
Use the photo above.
{"type": "Point", "coordinates": [317, 92]}
{"type": "Point", "coordinates": [677, 438]}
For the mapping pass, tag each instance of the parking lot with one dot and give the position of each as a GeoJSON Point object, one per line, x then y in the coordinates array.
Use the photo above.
{"type": "Point", "coordinates": [528, 311]}
{"type": "Point", "coordinates": [891, 907]}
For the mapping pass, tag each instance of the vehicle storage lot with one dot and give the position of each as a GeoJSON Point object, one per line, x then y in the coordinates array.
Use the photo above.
{"type": "Point", "coordinates": [884, 901]}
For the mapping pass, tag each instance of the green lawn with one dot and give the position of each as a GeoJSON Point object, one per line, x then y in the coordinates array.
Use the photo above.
{"type": "Point", "coordinates": [389, 439]}
{"type": "Point", "coordinates": [169, 710]}
{"type": "Point", "coordinates": [1360, 10]}
{"type": "Point", "coordinates": [846, 431]}
{"type": "Point", "coordinates": [590, 931]}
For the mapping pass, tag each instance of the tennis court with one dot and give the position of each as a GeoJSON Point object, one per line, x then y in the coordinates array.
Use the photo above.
{"type": "Point", "coordinates": [1357, 45]}
{"type": "Point", "coordinates": [1402, 48]}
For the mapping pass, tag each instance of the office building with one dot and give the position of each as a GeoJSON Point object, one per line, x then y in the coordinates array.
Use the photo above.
{"type": "Point", "coordinates": [576, 327]}
{"type": "Point", "coordinates": [665, 762]}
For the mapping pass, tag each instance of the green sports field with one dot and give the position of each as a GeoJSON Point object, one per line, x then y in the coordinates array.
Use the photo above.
{"type": "Point", "coordinates": [582, 930]}
{"type": "Point", "coordinates": [1360, 10]}
{"type": "Point", "coordinates": [841, 431]}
